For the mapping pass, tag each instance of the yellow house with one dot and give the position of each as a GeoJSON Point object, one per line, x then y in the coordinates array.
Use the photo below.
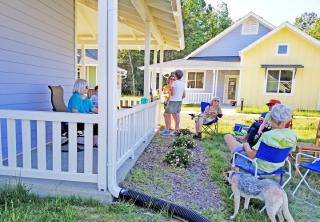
{"type": "Point", "coordinates": [284, 64]}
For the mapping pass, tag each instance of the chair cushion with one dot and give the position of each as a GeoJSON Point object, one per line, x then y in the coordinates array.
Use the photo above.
{"type": "Point", "coordinates": [57, 99]}
{"type": "Point", "coordinates": [312, 166]}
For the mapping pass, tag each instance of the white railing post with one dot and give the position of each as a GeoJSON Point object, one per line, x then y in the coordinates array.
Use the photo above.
{"type": "Point", "coordinates": [12, 145]}
{"type": "Point", "coordinates": [26, 144]}
{"type": "Point", "coordinates": [56, 146]}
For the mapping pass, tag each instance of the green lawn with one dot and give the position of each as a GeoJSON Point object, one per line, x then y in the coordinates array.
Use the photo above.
{"type": "Point", "coordinates": [259, 110]}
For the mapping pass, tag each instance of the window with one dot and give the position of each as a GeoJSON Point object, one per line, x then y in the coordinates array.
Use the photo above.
{"type": "Point", "coordinates": [279, 81]}
{"type": "Point", "coordinates": [250, 27]}
{"type": "Point", "coordinates": [282, 49]}
{"type": "Point", "coordinates": [195, 80]}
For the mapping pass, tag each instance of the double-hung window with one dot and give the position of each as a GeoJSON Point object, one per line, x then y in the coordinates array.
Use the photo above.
{"type": "Point", "coordinates": [195, 80]}
{"type": "Point", "coordinates": [279, 81]}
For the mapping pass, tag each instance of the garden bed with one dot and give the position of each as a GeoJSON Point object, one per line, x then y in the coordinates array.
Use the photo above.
{"type": "Point", "coordinates": [190, 187]}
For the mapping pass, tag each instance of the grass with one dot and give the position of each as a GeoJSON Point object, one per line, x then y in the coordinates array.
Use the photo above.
{"type": "Point", "coordinates": [17, 204]}
{"type": "Point", "coordinates": [259, 110]}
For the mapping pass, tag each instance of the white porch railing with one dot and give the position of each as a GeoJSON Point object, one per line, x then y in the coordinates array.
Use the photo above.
{"type": "Point", "coordinates": [135, 125]}
{"type": "Point", "coordinates": [197, 98]}
{"type": "Point", "coordinates": [31, 146]}
{"type": "Point", "coordinates": [30, 142]}
{"type": "Point", "coordinates": [129, 101]}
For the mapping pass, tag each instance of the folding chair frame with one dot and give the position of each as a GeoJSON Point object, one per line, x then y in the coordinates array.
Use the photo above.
{"type": "Point", "coordinates": [303, 176]}
{"type": "Point", "coordinates": [289, 173]}
{"type": "Point", "coordinates": [207, 128]}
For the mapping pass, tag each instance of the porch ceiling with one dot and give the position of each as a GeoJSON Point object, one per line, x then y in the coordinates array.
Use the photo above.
{"type": "Point", "coordinates": [164, 16]}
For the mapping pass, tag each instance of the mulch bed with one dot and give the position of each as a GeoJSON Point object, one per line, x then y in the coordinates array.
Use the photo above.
{"type": "Point", "coordinates": [190, 187]}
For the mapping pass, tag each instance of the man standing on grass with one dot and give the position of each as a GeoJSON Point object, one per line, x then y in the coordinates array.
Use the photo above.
{"type": "Point", "coordinates": [177, 90]}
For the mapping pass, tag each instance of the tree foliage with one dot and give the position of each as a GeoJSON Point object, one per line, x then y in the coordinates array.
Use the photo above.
{"type": "Point", "coordinates": [315, 29]}
{"type": "Point", "coordinates": [201, 23]}
{"type": "Point", "coordinates": [305, 21]}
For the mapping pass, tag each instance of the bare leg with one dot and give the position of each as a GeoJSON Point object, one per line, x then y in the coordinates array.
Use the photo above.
{"type": "Point", "coordinates": [231, 142]}
{"type": "Point", "coordinates": [199, 124]}
{"type": "Point", "coordinates": [176, 118]}
{"type": "Point", "coordinates": [246, 202]}
{"type": "Point", "coordinates": [167, 120]}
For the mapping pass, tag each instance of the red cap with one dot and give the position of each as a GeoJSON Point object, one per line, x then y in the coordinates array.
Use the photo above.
{"type": "Point", "coordinates": [273, 102]}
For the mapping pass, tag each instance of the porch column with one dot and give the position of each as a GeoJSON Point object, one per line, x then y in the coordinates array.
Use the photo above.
{"type": "Point", "coordinates": [216, 83]}
{"type": "Point", "coordinates": [146, 88]}
{"type": "Point", "coordinates": [154, 73]}
{"type": "Point", "coordinates": [213, 82]}
{"type": "Point", "coordinates": [107, 49]}
{"type": "Point", "coordinates": [83, 62]}
{"type": "Point", "coordinates": [160, 81]}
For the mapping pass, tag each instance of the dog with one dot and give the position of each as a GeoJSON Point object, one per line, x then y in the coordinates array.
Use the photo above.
{"type": "Point", "coordinates": [248, 186]}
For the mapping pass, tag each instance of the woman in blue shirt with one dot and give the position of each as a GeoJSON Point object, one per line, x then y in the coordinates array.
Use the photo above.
{"type": "Point", "coordinates": [80, 103]}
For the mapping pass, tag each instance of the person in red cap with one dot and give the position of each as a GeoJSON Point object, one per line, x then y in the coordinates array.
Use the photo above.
{"type": "Point", "coordinates": [262, 125]}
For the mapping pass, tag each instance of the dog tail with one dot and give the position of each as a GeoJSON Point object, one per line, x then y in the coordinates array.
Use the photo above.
{"type": "Point", "coordinates": [285, 208]}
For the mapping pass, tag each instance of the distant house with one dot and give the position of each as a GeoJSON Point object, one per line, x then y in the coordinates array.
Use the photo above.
{"type": "Point", "coordinates": [254, 61]}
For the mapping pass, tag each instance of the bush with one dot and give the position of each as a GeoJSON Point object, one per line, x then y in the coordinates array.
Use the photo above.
{"type": "Point", "coordinates": [179, 157]}
{"type": "Point", "coordinates": [185, 141]}
{"type": "Point", "coordinates": [181, 132]}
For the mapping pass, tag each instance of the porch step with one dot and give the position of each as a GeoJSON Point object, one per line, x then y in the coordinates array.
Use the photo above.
{"type": "Point", "coordinates": [52, 188]}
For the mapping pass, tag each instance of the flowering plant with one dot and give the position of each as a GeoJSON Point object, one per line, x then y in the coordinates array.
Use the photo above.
{"type": "Point", "coordinates": [185, 141]}
{"type": "Point", "coordinates": [179, 157]}
{"type": "Point", "coordinates": [181, 132]}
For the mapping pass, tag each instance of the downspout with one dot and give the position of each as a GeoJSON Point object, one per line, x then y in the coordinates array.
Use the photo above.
{"type": "Point", "coordinates": [112, 54]}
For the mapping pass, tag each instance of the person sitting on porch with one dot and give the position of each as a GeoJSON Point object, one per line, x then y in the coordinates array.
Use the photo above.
{"type": "Point", "coordinates": [259, 126]}
{"type": "Point", "coordinates": [177, 93]}
{"type": "Point", "coordinates": [94, 97]}
{"type": "Point", "coordinates": [210, 113]}
{"type": "Point", "coordinates": [278, 137]}
{"type": "Point", "coordinates": [80, 103]}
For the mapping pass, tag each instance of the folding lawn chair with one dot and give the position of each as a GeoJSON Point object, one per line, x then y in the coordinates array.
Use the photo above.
{"type": "Point", "coordinates": [313, 166]}
{"type": "Point", "coordinates": [269, 154]}
{"type": "Point", "coordinates": [210, 127]}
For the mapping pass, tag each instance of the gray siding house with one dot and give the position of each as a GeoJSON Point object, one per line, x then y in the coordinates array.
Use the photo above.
{"type": "Point", "coordinates": [213, 70]}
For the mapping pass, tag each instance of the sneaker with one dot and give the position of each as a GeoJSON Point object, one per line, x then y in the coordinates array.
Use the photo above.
{"type": "Point", "coordinates": [165, 132]}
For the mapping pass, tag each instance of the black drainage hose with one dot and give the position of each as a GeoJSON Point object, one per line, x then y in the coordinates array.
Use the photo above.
{"type": "Point", "coordinates": [144, 200]}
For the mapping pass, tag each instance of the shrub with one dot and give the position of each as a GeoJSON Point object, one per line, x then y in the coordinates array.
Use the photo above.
{"type": "Point", "coordinates": [181, 132]}
{"type": "Point", "coordinates": [185, 141]}
{"type": "Point", "coordinates": [179, 157]}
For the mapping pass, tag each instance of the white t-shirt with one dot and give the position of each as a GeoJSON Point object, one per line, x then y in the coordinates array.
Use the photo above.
{"type": "Point", "coordinates": [178, 88]}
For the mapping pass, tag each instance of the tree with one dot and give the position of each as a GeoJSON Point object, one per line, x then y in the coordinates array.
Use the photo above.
{"type": "Point", "coordinates": [315, 29]}
{"type": "Point", "coordinates": [305, 21]}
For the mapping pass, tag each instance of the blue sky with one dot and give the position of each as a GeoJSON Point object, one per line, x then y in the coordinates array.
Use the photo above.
{"type": "Point", "coordinates": [274, 11]}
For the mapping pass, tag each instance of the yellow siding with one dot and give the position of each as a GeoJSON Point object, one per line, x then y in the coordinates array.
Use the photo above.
{"type": "Point", "coordinates": [306, 87]}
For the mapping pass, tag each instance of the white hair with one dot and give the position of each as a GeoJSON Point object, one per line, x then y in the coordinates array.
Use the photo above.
{"type": "Point", "coordinates": [281, 113]}
{"type": "Point", "coordinates": [79, 85]}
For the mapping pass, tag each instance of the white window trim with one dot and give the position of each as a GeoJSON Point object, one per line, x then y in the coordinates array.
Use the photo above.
{"type": "Point", "coordinates": [204, 80]}
{"type": "Point", "coordinates": [243, 32]}
{"type": "Point", "coordinates": [288, 49]}
{"type": "Point", "coordinates": [279, 94]}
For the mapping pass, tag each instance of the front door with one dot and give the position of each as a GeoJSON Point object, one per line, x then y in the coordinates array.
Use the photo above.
{"type": "Point", "coordinates": [230, 88]}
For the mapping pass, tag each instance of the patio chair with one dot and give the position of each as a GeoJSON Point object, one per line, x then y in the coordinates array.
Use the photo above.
{"type": "Point", "coordinates": [213, 126]}
{"type": "Point", "coordinates": [311, 166]}
{"type": "Point", "coordinates": [311, 148]}
{"type": "Point", "coordinates": [58, 105]}
{"type": "Point", "coordinates": [269, 154]}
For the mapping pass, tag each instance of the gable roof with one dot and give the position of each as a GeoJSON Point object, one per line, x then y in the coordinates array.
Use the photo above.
{"type": "Point", "coordinates": [280, 27]}
{"type": "Point", "coordinates": [228, 30]}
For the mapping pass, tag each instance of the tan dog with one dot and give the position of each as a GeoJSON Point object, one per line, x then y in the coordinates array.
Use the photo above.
{"type": "Point", "coordinates": [248, 186]}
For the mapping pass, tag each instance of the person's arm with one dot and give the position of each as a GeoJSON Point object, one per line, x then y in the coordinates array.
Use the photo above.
{"type": "Point", "coordinates": [171, 88]}
{"type": "Point", "coordinates": [94, 110]}
{"type": "Point", "coordinates": [262, 126]}
{"type": "Point", "coordinates": [184, 94]}
{"type": "Point", "coordinates": [74, 110]}
{"type": "Point", "coordinates": [250, 152]}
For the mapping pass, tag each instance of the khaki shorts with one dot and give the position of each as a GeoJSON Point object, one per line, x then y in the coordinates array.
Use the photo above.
{"type": "Point", "coordinates": [173, 107]}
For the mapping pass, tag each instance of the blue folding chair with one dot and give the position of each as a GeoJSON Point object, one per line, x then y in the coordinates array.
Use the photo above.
{"type": "Point", "coordinates": [313, 166]}
{"type": "Point", "coordinates": [269, 154]}
{"type": "Point", "coordinates": [207, 127]}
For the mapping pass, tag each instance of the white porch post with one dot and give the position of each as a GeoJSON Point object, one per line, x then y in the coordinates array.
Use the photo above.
{"type": "Point", "coordinates": [213, 82]}
{"type": "Point", "coordinates": [83, 62]}
{"type": "Point", "coordinates": [160, 81]}
{"type": "Point", "coordinates": [216, 84]}
{"type": "Point", "coordinates": [146, 88]}
{"type": "Point", "coordinates": [107, 49]}
{"type": "Point", "coordinates": [154, 73]}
